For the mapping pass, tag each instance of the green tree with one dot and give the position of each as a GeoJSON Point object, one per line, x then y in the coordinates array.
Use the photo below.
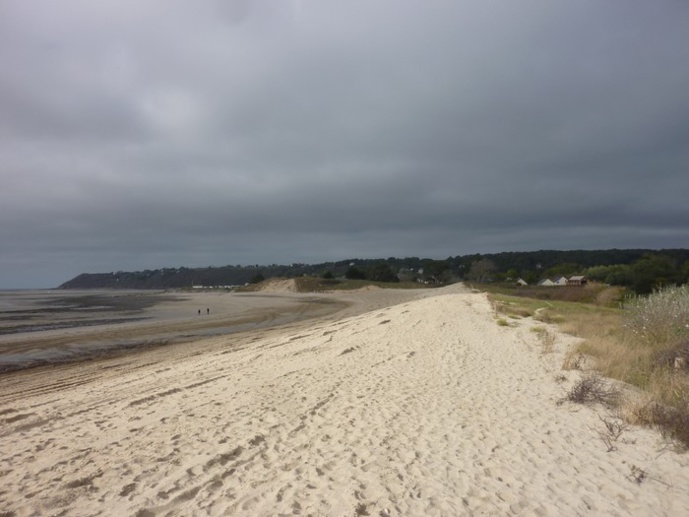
{"type": "Point", "coordinates": [653, 271]}
{"type": "Point", "coordinates": [684, 272]}
{"type": "Point", "coordinates": [406, 275]}
{"type": "Point", "coordinates": [437, 271]}
{"type": "Point", "coordinates": [529, 276]}
{"type": "Point", "coordinates": [618, 274]}
{"type": "Point", "coordinates": [567, 269]}
{"type": "Point", "coordinates": [257, 279]}
{"type": "Point", "coordinates": [511, 275]}
{"type": "Point", "coordinates": [354, 273]}
{"type": "Point", "coordinates": [482, 270]}
{"type": "Point", "coordinates": [381, 272]}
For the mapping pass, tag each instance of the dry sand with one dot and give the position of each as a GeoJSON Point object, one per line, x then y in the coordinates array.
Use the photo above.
{"type": "Point", "coordinates": [425, 407]}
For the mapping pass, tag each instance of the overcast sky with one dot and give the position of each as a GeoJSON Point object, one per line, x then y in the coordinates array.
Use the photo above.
{"type": "Point", "coordinates": [166, 133]}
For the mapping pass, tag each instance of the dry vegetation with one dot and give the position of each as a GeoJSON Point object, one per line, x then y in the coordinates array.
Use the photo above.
{"type": "Point", "coordinates": [547, 339]}
{"type": "Point", "coordinates": [592, 389]}
{"type": "Point", "coordinates": [641, 341]}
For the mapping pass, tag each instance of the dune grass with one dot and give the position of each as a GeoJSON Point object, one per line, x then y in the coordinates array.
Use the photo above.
{"type": "Point", "coordinates": [641, 341]}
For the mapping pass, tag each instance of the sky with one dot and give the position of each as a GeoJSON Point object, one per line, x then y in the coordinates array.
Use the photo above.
{"type": "Point", "coordinates": [168, 133]}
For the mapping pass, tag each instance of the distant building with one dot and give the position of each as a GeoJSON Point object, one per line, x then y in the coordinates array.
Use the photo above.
{"type": "Point", "coordinates": [546, 283]}
{"type": "Point", "coordinates": [560, 281]}
{"type": "Point", "coordinates": [521, 282]}
{"type": "Point", "coordinates": [577, 280]}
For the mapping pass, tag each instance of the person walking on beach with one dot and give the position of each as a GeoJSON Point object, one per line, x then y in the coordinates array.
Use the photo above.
{"type": "Point", "coordinates": [208, 311]}
{"type": "Point", "coordinates": [199, 312]}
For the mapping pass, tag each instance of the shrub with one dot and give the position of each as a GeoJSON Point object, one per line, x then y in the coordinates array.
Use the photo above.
{"type": "Point", "coordinates": [592, 389]}
{"type": "Point", "coordinates": [611, 432]}
{"type": "Point", "coordinates": [673, 422]}
{"type": "Point", "coordinates": [381, 272]}
{"type": "Point", "coordinates": [257, 279]}
{"type": "Point", "coordinates": [659, 318]}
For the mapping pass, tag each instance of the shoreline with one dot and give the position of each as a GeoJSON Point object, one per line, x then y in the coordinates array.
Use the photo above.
{"type": "Point", "coordinates": [155, 320]}
{"type": "Point", "coordinates": [423, 406]}
{"type": "Point", "coordinates": [139, 320]}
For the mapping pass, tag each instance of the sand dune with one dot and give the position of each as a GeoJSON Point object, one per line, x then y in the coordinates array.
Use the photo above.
{"type": "Point", "coordinates": [421, 408]}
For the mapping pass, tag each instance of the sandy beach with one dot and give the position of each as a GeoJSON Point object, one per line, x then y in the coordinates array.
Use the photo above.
{"type": "Point", "coordinates": [49, 327]}
{"type": "Point", "coordinates": [397, 403]}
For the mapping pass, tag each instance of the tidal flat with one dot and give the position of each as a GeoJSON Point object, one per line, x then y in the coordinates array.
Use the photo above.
{"type": "Point", "coordinates": [44, 327]}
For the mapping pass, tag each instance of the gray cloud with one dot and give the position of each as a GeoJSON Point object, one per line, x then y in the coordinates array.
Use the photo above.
{"type": "Point", "coordinates": [161, 134]}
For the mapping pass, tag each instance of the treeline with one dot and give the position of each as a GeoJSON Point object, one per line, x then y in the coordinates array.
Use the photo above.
{"type": "Point", "coordinates": [179, 278]}
{"type": "Point", "coordinates": [639, 269]}
{"type": "Point", "coordinates": [644, 275]}
{"type": "Point", "coordinates": [183, 277]}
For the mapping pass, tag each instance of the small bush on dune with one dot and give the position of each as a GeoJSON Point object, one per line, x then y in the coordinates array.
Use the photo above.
{"type": "Point", "coordinates": [660, 318]}
{"type": "Point", "coordinates": [592, 389]}
{"type": "Point", "coordinates": [673, 422]}
{"type": "Point", "coordinates": [659, 326]}
{"type": "Point", "coordinates": [611, 432]}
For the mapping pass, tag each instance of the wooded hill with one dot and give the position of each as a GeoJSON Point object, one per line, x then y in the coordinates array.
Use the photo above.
{"type": "Point", "coordinates": [639, 269]}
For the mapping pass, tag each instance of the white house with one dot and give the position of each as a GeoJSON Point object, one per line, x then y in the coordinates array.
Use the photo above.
{"type": "Point", "coordinates": [547, 283]}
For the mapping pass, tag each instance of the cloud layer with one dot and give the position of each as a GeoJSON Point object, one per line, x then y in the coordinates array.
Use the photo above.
{"type": "Point", "coordinates": [167, 133]}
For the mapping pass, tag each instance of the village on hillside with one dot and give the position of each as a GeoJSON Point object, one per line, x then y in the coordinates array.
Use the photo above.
{"type": "Point", "coordinates": [559, 281]}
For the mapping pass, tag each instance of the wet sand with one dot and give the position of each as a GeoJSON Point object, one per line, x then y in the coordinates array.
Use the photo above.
{"type": "Point", "coordinates": [39, 328]}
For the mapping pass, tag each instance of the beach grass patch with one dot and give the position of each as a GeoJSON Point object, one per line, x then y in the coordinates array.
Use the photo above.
{"type": "Point", "coordinates": [641, 341]}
